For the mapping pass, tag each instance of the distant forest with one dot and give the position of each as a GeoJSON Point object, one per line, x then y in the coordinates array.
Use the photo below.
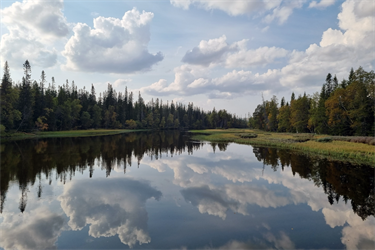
{"type": "Point", "coordinates": [346, 108]}
{"type": "Point", "coordinates": [31, 105]}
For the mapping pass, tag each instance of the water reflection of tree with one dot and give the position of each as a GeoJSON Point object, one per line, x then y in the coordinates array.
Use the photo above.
{"type": "Point", "coordinates": [338, 179]}
{"type": "Point", "coordinates": [221, 145]}
{"type": "Point", "coordinates": [26, 161]}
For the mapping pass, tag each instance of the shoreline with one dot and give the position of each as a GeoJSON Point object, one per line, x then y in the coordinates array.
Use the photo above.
{"type": "Point", "coordinates": [357, 153]}
{"type": "Point", "coordinates": [67, 134]}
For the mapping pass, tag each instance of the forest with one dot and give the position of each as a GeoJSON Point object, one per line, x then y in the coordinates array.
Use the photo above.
{"type": "Point", "coordinates": [30, 105]}
{"type": "Point", "coordinates": [345, 108]}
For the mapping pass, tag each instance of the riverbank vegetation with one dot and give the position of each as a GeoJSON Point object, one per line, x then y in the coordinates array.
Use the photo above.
{"type": "Point", "coordinates": [344, 109]}
{"type": "Point", "coordinates": [355, 150]}
{"type": "Point", "coordinates": [66, 133]}
{"type": "Point", "coordinates": [31, 106]}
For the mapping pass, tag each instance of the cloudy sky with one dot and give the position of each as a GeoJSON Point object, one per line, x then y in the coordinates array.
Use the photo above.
{"type": "Point", "coordinates": [214, 53]}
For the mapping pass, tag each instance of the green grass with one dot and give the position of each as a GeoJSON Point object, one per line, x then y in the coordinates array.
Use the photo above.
{"type": "Point", "coordinates": [68, 133]}
{"type": "Point", "coordinates": [357, 153]}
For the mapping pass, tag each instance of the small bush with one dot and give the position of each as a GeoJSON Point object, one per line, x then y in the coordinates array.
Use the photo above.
{"type": "Point", "coordinates": [324, 139]}
{"type": "Point", "coordinates": [249, 135]}
{"type": "Point", "coordinates": [301, 139]}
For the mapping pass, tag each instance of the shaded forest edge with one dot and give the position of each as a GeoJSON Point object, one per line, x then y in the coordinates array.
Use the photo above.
{"type": "Point", "coordinates": [32, 106]}
{"type": "Point", "coordinates": [353, 150]}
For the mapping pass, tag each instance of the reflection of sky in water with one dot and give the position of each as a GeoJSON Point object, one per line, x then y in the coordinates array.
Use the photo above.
{"type": "Point", "coordinates": [205, 200]}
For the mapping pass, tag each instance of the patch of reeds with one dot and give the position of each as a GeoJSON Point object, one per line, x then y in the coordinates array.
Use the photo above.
{"type": "Point", "coordinates": [248, 135]}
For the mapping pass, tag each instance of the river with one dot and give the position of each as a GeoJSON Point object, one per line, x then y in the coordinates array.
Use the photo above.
{"type": "Point", "coordinates": [162, 190]}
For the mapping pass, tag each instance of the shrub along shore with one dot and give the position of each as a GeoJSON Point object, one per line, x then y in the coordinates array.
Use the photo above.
{"type": "Point", "coordinates": [358, 150]}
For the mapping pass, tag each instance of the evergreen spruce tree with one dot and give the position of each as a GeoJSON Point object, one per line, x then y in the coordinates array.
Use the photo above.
{"type": "Point", "coordinates": [26, 100]}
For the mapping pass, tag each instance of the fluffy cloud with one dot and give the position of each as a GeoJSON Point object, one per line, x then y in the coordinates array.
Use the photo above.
{"type": "Point", "coordinates": [217, 51]}
{"type": "Point", "coordinates": [208, 52]}
{"type": "Point", "coordinates": [322, 4]}
{"type": "Point", "coordinates": [32, 49]}
{"type": "Point", "coordinates": [38, 229]}
{"type": "Point", "coordinates": [194, 77]}
{"type": "Point", "coordinates": [44, 18]}
{"type": "Point", "coordinates": [111, 207]}
{"type": "Point", "coordinates": [337, 52]}
{"type": "Point", "coordinates": [113, 45]}
{"type": "Point", "coordinates": [280, 9]}
{"type": "Point", "coordinates": [282, 12]}
{"type": "Point", "coordinates": [191, 80]}
{"type": "Point", "coordinates": [261, 56]}
{"type": "Point", "coordinates": [32, 25]}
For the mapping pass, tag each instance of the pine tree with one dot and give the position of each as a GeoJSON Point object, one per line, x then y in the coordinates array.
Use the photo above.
{"type": "Point", "coordinates": [329, 86]}
{"type": "Point", "coordinates": [26, 100]}
{"type": "Point", "coordinates": [335, 83]}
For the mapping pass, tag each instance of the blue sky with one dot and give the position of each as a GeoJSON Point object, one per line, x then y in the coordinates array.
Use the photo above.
{"type": "Point", "coordinates": [214, 53]}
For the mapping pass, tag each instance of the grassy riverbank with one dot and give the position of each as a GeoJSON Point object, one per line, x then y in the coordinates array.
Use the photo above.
{"type": "Point", "coordinates": [306, 143]}
{"type": "Point", "coordinates": [68, 133]}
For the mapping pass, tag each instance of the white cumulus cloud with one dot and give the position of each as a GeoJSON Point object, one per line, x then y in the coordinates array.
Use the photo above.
{"type": "Point", "coordinates": [218, 52]}
{"type": "Point", "coordinates": [32, 26]}
{"type": "Point", "coordinates": [113, 45]}
{"type": "Point", "coordinates": [338, 50]}
{"type": "Point", "coordinates": [282, 12]}
{"type": "Point", "coordinates": [322, 4]}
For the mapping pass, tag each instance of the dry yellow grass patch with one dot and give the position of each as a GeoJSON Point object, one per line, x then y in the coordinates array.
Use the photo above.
{"type": "Point", "coordinates": [341, 150]}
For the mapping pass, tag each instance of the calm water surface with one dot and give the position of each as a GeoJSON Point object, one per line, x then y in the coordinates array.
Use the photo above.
{"type": "Point", "coordinates": [164, 191]}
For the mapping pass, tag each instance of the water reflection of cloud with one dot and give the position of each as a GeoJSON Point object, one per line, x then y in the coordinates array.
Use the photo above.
{"type": "Point", "coordinates": [269, 241]}
{"type": "Point", "coordinates": [203, 191]}
{"type": "Point", "coordinates": [37, 229]}
{"type": "Point", "coordinates": [192, 171]}
{"type": "Point", "coordinates": [355, 231]}
{"type": "Point", "coordinates": [111, 207]}
{"type": "Point", "coordinates": [217, 200]}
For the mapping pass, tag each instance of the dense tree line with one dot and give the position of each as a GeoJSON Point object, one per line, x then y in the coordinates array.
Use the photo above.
{"type": "Point", "coordinates": [31, 105]}
{"type": "Point", "coordinates": [345, 108]}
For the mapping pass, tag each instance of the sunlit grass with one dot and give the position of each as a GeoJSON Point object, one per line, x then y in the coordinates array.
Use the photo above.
{"type": "Point", "coordinates": [306, 143]}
